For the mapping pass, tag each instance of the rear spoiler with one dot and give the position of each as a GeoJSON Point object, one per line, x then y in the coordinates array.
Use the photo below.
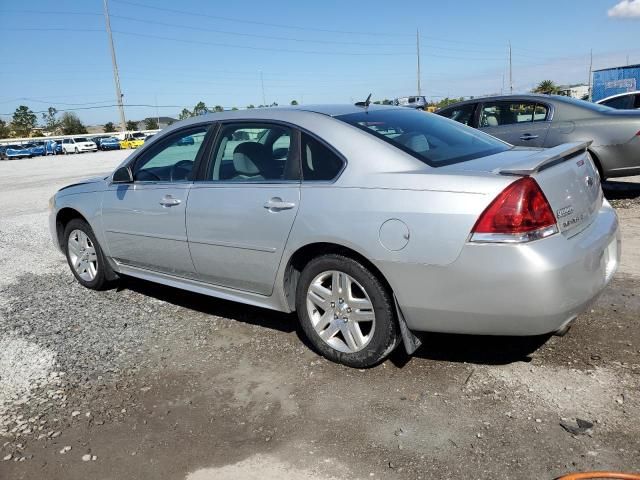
{"type": "Point", "coordinates": [545, 159]}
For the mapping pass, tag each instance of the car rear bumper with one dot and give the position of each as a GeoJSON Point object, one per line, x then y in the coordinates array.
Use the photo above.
{"type": "Point", "coordinates": [497, 289]}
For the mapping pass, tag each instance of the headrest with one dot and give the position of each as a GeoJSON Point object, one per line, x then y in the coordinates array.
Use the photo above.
{"type": "Point", "coordinates": [250, 158]}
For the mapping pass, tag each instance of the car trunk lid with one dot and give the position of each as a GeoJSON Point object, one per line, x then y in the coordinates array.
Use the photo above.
{"type": "Point", "coordinates": [570, 181]}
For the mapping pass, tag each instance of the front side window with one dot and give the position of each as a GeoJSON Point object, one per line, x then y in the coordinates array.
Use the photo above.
{"type": "Point", "coordinates": [253, 153]}
{"type": "Point", "coordinates": [495, 114]}
{"type": "Point", "coordinates": [430, 138]}
{"type": "Point", "coordinates": [319, 162]}
{"type": "Point", "coordinates": [461, 113]}
{"type": "Point", "coordinates": [171, 160]}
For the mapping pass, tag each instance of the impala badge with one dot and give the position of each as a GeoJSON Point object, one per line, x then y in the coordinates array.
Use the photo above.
{"type": "Point", "coordinates": [564, 211]}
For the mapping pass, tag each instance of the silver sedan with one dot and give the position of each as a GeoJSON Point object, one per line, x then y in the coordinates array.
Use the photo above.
{"type": "Point", "coordinates": [372, 223]}
{"type": "Point", "coordinates": [551, 120]}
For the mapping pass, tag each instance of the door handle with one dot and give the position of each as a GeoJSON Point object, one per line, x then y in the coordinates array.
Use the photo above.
{"type": "Point", "coordinates": [169, 201]}
{"type": "Point", "coordinates": [528, 136]}
{"type": "Point", "coordinates": [276, 204]}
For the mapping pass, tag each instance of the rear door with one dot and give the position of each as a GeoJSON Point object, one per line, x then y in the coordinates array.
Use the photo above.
{"type": "Point", "coordinates": [144, 221]}
{"type": "Point", "coordinates": [518, 122]}
{"type": "Point", "coordinates": [240, 214]}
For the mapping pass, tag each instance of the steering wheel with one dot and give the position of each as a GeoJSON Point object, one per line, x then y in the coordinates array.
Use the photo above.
{"type": "Point", "coordinates": [185, 166]}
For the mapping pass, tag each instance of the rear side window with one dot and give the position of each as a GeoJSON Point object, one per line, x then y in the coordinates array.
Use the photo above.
{"type": "Point", "coordinates": [430, 138]}
{"type": "Point", "coordinates": [319, 162]}
{"type": "Point", "coordinates": [495, 114]}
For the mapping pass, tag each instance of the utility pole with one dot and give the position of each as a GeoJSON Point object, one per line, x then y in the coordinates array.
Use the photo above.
{"type": "Point", "coordinates": [418, 54]}
{"type": "Point", "coordinates": [264, 102]}
{"type": "Point", "coordinates": [510, 71]}
{"type": "Point", "coordinates": [157, 114]}
{"type": "Point", "coordinates": [116, 77]}
{"type": "Point", "coordinates": [590, 72]}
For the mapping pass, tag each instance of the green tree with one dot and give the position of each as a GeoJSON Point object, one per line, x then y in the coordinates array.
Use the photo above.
{"type": "Point", "coordinates": [37, 133]}
{"type": "Point", "coordinates": [218, 108]}
{"type": "Point", "coordinates": [131, 125]}
{"type": "Point", "coordinates": [294, 102]}
{"type": "Point", "coordinates": [448, 101]}
{"type": "Point", "coordinates": [51, 122]}
{"type": "Point", "coordinates": [109, 127]}
{"type": "Point", "coordinates": [151, 123]}
{"type": "Point", "coordinates": [4, 129]}
{"type": "Point", "coordinates": [546, 86]}
{"type": "Point", "coordinates": [71, 124]}
{"type": "Point", "coordinates": [185, 113]}
{"type": "Point", "coordinates": [200, 109]}
{"type": "Point", "coordinates": [234, 109]}
{"type": "Point", "coordinates": [24, 120]}
{"type": "Point", "coordinates": [251, 106]}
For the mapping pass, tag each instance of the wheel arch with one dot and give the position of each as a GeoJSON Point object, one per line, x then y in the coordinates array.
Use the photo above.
{"type": "Point", "coordinates": [303, 255]}
{"type": "Point", "coordinates": [63, 217]}
{"type": "Point", "coordinates": [597, 163]}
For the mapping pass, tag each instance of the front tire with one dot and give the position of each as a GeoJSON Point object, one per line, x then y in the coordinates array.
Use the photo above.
{"type": "Point", "coordinates": [346, 312]}
{"type": "Point", "coordinates": [85, 257]}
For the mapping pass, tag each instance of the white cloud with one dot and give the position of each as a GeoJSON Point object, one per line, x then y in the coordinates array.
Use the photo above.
{"type": "Point", "coordinates": [626, 9]}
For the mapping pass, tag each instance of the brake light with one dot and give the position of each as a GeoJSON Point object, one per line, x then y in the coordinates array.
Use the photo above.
{"type": "Point", "coordinates": [520, 213]}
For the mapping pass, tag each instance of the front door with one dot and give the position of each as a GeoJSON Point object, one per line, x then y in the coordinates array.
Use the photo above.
{"type": "Point", "coordinates": [519, 123]}
{"type": "Point", "coordinates": [240, 215]}
{"type": "Point", "coordinates": [144, 221]}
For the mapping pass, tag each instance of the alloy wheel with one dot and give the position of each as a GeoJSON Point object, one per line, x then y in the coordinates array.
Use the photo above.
{"type": "Point", "coordinates": [82, 254]}
{"type": "Point", "coordinates": [341, 311]}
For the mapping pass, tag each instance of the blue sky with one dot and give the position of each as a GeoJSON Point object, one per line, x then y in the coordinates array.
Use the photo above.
{"type": "Point", "coordinates": [177, 53]}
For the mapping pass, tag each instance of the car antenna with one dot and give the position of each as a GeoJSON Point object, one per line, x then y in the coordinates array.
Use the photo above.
{"type": "Point", "coordinates": [364, 104]}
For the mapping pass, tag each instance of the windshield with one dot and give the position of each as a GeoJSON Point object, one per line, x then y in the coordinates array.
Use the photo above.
{"type": "Point", "coordinates": [82, 139]}
{"type": "Point", "coordinates": [430, 138]}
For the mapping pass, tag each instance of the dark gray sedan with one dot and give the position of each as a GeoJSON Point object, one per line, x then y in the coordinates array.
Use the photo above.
{"type": "Point", "coordinates": [551, 120]}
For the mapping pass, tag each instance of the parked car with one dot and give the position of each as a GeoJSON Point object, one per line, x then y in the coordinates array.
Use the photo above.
{"type": "Point", "coordinates": [551, 120]}
{"type": "Point", "coordinates": [373, 223]}
{"type": "Point", "coordinates": [35, 149]}
{"type": "Point", "coordinates": [185, 141]}
{"type": "Point", "coordinates": [131, 141]}
{"type": "Point", "coordinates": [78, 145]}
{"type": "Point", "coordinates": [53, 147]}
{"type": "Point", "coordinates": [412, 102]}
{"type": "Point", "coordinates": [8, 152]}
{"type": "Point", "coordinates": [109, 143]}
{"type": "Point", "coordinates": [622, 101]}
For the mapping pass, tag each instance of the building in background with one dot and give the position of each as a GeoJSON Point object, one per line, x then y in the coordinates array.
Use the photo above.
{"type": "Point", "coordinates": [611, 81]}
{"type": "Point", "coordinates": [576, 91]}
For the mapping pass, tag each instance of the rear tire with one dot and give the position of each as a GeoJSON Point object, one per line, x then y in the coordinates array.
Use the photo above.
{"type": "Point", "coordinates": [85, 257]}
{"type": "Point", "coordinates": [346, 312]}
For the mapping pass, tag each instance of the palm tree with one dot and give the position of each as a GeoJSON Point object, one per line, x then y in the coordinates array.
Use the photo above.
{"type": "Point", "coordinates": [546, 86]}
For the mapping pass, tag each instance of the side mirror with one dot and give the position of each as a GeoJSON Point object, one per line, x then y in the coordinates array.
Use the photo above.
{"type": "Point", "coordinates": [122, 175]}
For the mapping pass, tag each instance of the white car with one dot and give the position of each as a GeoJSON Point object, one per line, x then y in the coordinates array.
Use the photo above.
{"type": "Point", "coordinates": [622, 101]}
{"type": "Point", "coordinates": [77, 145]}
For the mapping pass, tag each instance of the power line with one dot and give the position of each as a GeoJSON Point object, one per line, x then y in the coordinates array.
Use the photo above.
{"type": "Point", "coordinates": [254, 22]}
{"type": "Point", "coordinates": [254, 35]}
{"type": "Point", "coordinates": [105, 106]}
{"type": "Point", "coordinates": [247, 47]}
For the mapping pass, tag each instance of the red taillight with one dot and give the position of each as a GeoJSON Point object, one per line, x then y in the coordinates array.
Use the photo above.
{"type": "Point", "coordinates": [520, 213]}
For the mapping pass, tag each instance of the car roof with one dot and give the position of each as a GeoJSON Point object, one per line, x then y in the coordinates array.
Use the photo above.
{"type": "Point", "coordinates": [290, 113]}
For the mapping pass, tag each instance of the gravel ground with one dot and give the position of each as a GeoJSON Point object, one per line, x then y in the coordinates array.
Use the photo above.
{"type": "Point", "coordinates": [150, 382]}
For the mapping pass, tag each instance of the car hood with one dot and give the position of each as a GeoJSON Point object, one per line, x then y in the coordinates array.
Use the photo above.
{"type": "Point", "coordinates": [89, 185]}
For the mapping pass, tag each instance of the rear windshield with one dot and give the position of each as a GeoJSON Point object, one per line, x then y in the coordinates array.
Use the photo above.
{"type": "Point", "coordinates": [430, 138]}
